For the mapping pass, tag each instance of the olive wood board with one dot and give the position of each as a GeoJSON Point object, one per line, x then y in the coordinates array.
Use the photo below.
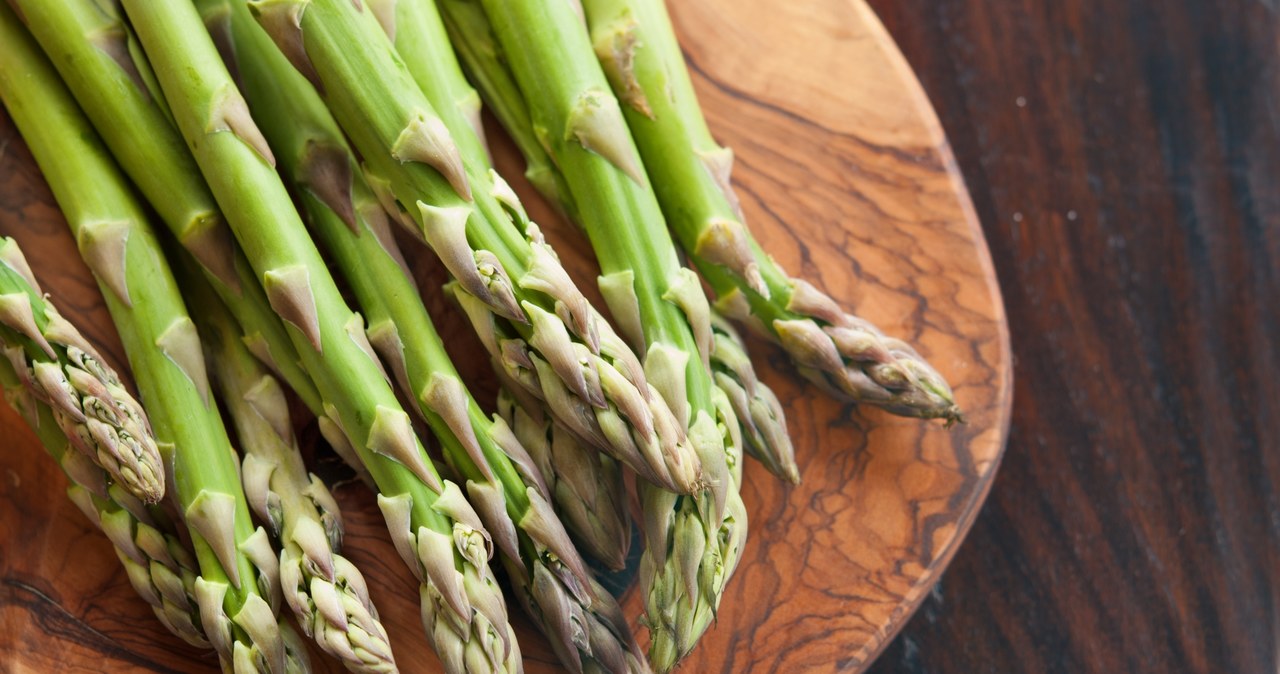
{"type": "Point", "coordinates": [846, 177]}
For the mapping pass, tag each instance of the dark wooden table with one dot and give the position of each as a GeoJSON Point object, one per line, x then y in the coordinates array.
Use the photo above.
{"type": "Point", "coordinates": [1124, 156]}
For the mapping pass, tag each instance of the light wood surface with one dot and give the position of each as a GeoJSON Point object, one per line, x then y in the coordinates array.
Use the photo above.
{"type": "Point", "coordinates": [847, 179]}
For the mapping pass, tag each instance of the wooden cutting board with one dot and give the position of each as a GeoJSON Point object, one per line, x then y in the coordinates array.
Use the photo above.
{"type": "Point", "coordinates": [847, 179]}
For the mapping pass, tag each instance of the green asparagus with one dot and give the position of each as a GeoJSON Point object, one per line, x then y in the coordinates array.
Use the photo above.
{"type": "Point", "coordinates": [758, 409]}
{"type": "Point", "coordinates": [526, 309]}
{"type": "Point", "coordinates": [764, 424]}
{"type": "Point", "coordinates": [482, 60]}
{"type": "Point", "coordinates": [501, 477]}
{"type": "Point", "coordinates": [92, 407]}
{"type": "Point", "coordinates": [659, 304]}
{"type": "Point", "coordinates": [585, 485]}
{"type": "Point", "coordinates": [433, 526]}
{"type": "Point", "coordinates": [99, 58]}
{"type": "Point", "coordinates": [415, 29]}
{"type": "Point", "coordinates": [239, 582]}
{"type": "Point", "coordinates": [159, 566]}
{"type": "Point", "coordinates": [845, 354]}
{"type": "Point", "coordinates": [420, 39]}
{"type": "Point", "coordinates": [326, 591]}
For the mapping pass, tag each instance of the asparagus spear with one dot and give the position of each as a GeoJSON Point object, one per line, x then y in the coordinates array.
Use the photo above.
{"type": "Point", "coordinates": [579, 488]}
{"type": "Point", "coordinates": [434, 527]}
{"type": "Point", "coordinates": [690, 172]}
{"type": "Point", "coordinates": [99, 58]}
{"type": "Point", "coordinates": [159, 566]}
{"type": "Point", "coordinates": [92, 407]}
{"type": "Point", "coordinates": [326, 592]}
{"type": "Point", "coordinates": [764, 424]}
{"type": "Point", "coordinates": [585, 485]}
{"type": "Point", "coordinates": [239, 581]}
{"type": "Point", "coordinates": [415, 29]}
{"type": "Point", "coordinates": [556, 588]}
{"type": "Point", "coordinates": [758, 409]}
{"type": "Point", "coordinates": [520, 300]}
{"type": "Point", "coordinates": [660, 305]}
{"type": "Point", "coordinates": [481, 56]}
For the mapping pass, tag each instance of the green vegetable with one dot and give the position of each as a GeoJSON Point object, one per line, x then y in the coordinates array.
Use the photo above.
{"type": "Point", "coordinates": [434, 527]}
{"type": "Point", "coordinates": [764, 424]}
{"type": "Point", "coordinates": [501, 478]}
{"type": "Point", "coordinates": [584, 483]}
{"type": "Point", "coordinates": [758, 409]}
{"type": "Point", "coordinates": [62, 370]}
{"type": "Point", "coordinates": [239, 578]}
{"type": "Point", "coordinates": [847, 355]}
{"type": "Point", "coordinates": [159, 566]}
{"type": "Point", "coordinates": [694, 542]}
{"type": "Point", "coordinates": [417, 33]}
{"type": "Point", "coordinates": [527, 311]}
{"type": "Point", "coordinates": [482, 58]}
{"type": "Point", "coordinates": [102, 63]}
{"type": "Point", "coordinates": [326, 591]}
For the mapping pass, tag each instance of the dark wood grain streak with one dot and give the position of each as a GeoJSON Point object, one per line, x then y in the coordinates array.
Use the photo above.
{"type": "Point", "coordinates": [849, 181]}
{"type": "Point", "coordinates": [1133, 212]}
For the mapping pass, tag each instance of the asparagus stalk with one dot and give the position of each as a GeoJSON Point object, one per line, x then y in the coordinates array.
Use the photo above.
{"type": "Point", "coordinates": [764, 424]}
{"type": "Point", "coordinates": [61, 369]}
{"type": "Point", "coordinates": [415, 29]}
{"type": "Point", "coordinates": [758, 409]}
{"type": "Point", "coordinates": [585, 485]}
{"type": "Point", "coordinates": [556, 588]}
{"type": "Point", "coordinates": [482, 58]}
{"type": "Point", "coordinates": [434, 527]}
{"type": "Point", "coordinates": [844, 354]}
{"type": "Point", "coordinates": [159, 566]}
{"type": "Point", "coordinates": [660, 305]}
{"type": "Point", "coordinates": [98, 56]}
{"type": "Point", "coordinates": [238, 584]}
{"type": "Point", "coordinates": [579, 488]}
{"type": "Point", "coordinates": [520, 300]}
{"type": "Point", "coordinates": [326, 592]}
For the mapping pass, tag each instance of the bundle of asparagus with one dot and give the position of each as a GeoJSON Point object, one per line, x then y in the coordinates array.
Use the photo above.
{"type": "Point", "coordinates": [585, 483]}
{"type": "Point", "coordinates": [501, 478]}
{"type": "Point", "coordinates": [693, 544]}
{"type": "Point", "coordinates": [326, 592]}
{"type": "Point", "coordinates": [758, 409]}
{"type": "Point", "coordinates": [599, 102]}
{"type": "Point", "coordinates": [238, 585]}
{"type": "Point", "coordinates": [100, 60]}
{"type": "Point", "coordinates": [528, 312]}
{"type": "Point", "coordinates": [434, 527]}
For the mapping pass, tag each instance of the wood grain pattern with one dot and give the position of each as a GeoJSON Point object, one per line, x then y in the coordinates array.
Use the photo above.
{"type": "Point", "coordinates": [848, 180]}
{"type": "Point", "coordinates": [1123, 156]}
